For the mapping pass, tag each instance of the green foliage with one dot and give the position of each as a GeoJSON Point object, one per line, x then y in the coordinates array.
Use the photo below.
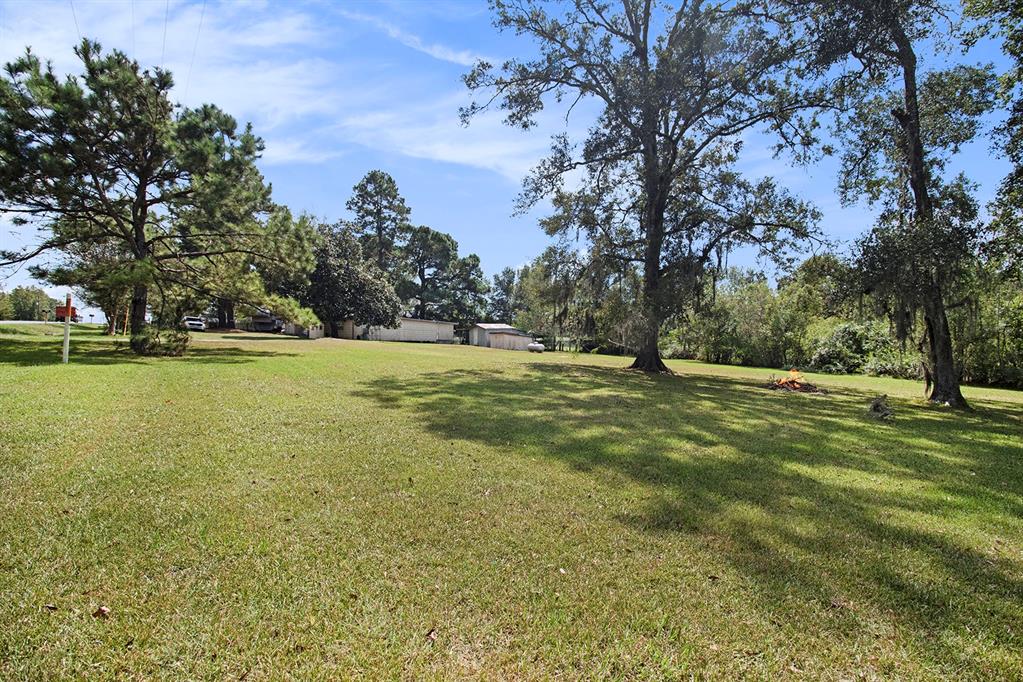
{"type": "Point", "coordinates": [381, 218]}
{"type": "Point", "coordinates": [503, 301]}
{"type": "Point", "coordinates": [463, 292]}
{"type": "Point", "coordinates": [6, 308]}
{"type": "Point", "coordinates": [846, 348]}
{"type": "Point", "coordinates": [343, 286]}
{"type": "Point", "coordinates": [1004, 19]}
{"type": "Point", "coordinates": [166, 341]}
{"type": "Point", "coordinates": [30, 303]}
{"type": "Point", "coordinates": [674, 90]}
{"type": "Point", "coordinates": [133, 190]}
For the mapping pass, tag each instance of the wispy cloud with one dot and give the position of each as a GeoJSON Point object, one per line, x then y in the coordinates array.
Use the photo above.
{"type": "Point", "coordinates": [435, 50]}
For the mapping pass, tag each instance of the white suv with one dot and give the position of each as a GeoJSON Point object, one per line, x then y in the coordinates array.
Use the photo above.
{"type": "Point", "coordinates": [193, 324]}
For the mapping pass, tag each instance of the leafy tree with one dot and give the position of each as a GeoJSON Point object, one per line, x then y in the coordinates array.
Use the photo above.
{"type": "Point", "coordinates": [31, 303]}
{"type": "Point", "coordinates": [672, 104]}
{"type": "Point", "coordinates": [105, 157]}
{"type": "Point", "coordinates": [381, 218]}
{"type": "Point", "coordinates": [897, 141]}
{"type": "Point", "coordinates": [262, 283]}
{"type": "Point", "coordinates": [1004, 19]}
{"type": "Point", "coordinates": [343, 286]}
{"type": "Point", "coordinates": [427, 259]}
{"type": "Point", "coordinates": [100, 273]}
{"type": "Point", "coordinates": [503, 300]}
{"type": "Point", "coordinates": [464, 291]}
{"type": "Point", "coordinates": [6, 309]}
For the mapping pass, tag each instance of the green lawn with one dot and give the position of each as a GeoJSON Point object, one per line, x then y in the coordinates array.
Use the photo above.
{"type": "Point", "coordinates": [270, 507]}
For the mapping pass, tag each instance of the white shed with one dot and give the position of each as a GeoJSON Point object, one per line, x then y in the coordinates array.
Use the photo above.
{"type": "Point", "coordinates": [498, 335]}
{"type": "Point", "coordinates": [315, 331]}
{"type": "Point", "coordinates": [508, 341]}
{"type": "Point", "coordinates": [409, 329]}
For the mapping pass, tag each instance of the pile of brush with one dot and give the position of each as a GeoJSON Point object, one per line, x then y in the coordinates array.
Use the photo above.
{"type": "Point", "coordinates": [794, 382]}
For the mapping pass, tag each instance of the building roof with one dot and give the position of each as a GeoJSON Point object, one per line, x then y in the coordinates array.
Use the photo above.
{"type": "Point", "coordinates": [500, 328]}
{"type": "Point", "coordinates": [416, 319]}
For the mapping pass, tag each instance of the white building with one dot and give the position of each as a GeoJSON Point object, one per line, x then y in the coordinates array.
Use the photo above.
{"type": "Point", "coordinates": [409, 329]}
{"type": "Point", "coordinates": [315, 331]}
{"type": "Point", "coordinates": [498, 335]}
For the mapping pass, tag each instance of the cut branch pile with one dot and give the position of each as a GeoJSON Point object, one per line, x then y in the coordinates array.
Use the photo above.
{"type": "Point", "coordinates": [795, 383]}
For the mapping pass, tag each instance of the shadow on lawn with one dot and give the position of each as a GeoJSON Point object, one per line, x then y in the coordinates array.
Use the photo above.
{"type": "Point", "coordinates": [87, 351]}
{"type": "Point", "coordinates": [806, 496]}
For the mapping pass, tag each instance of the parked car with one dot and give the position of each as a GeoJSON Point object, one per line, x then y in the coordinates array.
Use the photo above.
{"type": "Point", "coordinates": [193, 324]}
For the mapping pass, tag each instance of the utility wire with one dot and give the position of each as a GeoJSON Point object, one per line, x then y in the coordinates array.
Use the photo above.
{"type": "Point", "coordinates": [195, 47]}
{"type": "Point", "coordinates": [163, 49]}
{"type": "Point", "coordinates": [131, 3]}
{"type": "Point", "coordinates": [75, 17]}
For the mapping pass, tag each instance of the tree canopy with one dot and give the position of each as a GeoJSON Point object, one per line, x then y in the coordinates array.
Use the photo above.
{"type": "Point", "coordinates": [675, 87]}
{"type": "Point", "coordinates": [104, 161]}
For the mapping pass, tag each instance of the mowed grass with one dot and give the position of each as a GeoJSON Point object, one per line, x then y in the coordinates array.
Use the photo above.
{"type": "Point", "coordinates": [271, 508]}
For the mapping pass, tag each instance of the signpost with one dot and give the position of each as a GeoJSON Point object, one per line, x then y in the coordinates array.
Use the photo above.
{"type": "Point", "coordinates": [67, 327]}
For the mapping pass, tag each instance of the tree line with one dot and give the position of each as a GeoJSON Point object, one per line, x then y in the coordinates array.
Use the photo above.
{"type": "Point", "coordinates": [153, 211]}
{"type": "Point", "coordinates": [27, 303]}
{"type": "Point", "coordinates": [678, 86]}
{"type": "Point", "coordinates": [817, 317]}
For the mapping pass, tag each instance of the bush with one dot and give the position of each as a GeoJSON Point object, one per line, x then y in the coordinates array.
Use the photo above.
{"type": "Point", "coordinates": [156, 341]}
{"type": "Point", "coordinates": [893, 363]}
{"type": "Point", "coordinates": [848, 346]}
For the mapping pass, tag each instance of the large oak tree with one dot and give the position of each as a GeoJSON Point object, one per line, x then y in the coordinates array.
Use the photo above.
{"type": "Point", "coordinates": [676, 87]}
{"type": "Point", "coordinates": [901, 127]}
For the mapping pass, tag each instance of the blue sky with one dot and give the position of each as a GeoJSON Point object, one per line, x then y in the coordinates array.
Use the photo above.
{"type": "Point", "coordinates": [337, 89]}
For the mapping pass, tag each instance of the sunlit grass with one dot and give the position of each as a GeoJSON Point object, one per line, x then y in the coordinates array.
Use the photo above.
{"type": "Point", "coordinates": [273, 507]}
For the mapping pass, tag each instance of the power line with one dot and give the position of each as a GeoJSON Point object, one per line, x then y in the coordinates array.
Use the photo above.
{"type": "Point", "coordinates": [163, 49]}
{"type": "Point", "coordinates": [195, 47]}
{"type": "Point", "coordinates": [131, 3]}
{"type": "Point", "coordinates": [75, 17]}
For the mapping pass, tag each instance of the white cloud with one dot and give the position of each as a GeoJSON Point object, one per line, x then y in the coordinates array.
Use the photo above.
{"type": "Point", "coordinates": [279, 67]}
{"type": "Point", "coordinates": [435, 50]}
{"type": "Point", "coordinates": [232, 44]}
{"type": "Point", "coordinates": [296, 150]}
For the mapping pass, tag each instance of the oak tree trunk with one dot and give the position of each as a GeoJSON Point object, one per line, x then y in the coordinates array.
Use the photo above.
{"type": "Point", "coordinates": [944, 377]}
{"type": "Point", "coordinates": [649, 357]}
{"type": "Point", "coordinates": [942, 370]}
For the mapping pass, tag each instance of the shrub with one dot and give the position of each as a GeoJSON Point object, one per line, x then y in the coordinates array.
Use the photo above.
{"type": "Point", "coordinates": [891, 362]}
{"type": "Point", "coordinates": [156, 341]}
{"type": "Point", "coordinates": [848, 346]}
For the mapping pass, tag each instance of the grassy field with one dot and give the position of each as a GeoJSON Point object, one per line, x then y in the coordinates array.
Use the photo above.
{"type": "Point", "coordinates": [269, 508]}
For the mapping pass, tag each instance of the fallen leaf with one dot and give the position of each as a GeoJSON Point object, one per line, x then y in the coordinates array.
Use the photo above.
{"type": "Point", "coordinates": [431, 636]}
{"type": "Point", "coordinates": [101, 612]}
{"type": "Point", "coordinates": [50, 607]}
{"type": "Point", "coordinates": [713, 577]}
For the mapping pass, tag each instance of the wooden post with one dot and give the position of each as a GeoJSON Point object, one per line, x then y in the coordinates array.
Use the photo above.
{"type": "Point", "coordinates": [67, 327]}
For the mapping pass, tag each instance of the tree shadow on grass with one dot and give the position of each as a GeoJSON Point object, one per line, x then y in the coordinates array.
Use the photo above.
{"type": "Point", "coordinates": [87, 351]}
{"type": "Point", "coordinates": [805, 495]}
